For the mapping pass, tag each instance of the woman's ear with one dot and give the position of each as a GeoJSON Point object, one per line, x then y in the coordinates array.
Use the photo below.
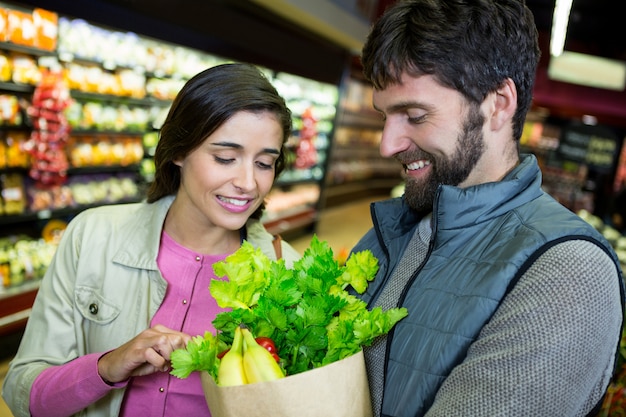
{"type": "Point", "coordinates": [504, 106]}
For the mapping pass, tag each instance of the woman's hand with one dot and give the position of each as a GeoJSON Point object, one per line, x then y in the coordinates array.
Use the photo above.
{"type": "Point", "coordinates": [146, 353]}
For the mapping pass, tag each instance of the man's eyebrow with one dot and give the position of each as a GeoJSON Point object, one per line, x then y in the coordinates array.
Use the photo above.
{"type": "Point", "coordinates": [406, 105]}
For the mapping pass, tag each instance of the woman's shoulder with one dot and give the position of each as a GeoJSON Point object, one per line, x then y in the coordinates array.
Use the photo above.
{"type": "Point", "coordinates": [258, 236]}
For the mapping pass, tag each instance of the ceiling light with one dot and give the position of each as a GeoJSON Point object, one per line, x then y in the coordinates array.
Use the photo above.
{"type": "Point", "coordinates": [559, 26]}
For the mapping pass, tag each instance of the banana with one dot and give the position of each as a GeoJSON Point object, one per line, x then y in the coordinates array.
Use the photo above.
{"type": "Point", "coordinates": [231, 370]}
{"type": "Point", "coordinates": [258, 363]}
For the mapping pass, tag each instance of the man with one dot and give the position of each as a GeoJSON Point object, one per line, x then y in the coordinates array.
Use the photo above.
{"type": "Point", "coordinates": [515, 304]}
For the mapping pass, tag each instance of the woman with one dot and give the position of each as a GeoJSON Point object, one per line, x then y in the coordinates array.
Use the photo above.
{"type": "Point", "coordinates": [128, 284]}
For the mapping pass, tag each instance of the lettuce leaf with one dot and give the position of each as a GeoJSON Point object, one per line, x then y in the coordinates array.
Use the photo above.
{"type": "Point", "coordinates": [306, 310]}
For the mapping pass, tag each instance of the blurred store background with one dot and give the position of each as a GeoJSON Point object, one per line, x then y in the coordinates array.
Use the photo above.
{"type": "Point", "coordinates": [109, 69]}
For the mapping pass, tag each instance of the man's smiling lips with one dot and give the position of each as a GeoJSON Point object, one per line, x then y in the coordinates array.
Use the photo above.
{"type": "Point", "coordinates": [417, 165]}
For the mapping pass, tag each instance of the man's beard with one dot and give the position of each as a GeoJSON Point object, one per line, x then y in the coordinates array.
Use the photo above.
{"type": "Point", "coordinates": [420, 194]}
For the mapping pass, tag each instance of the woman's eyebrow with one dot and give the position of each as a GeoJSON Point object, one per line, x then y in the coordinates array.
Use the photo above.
{"type": "Point", "coordinates": [234, 145]}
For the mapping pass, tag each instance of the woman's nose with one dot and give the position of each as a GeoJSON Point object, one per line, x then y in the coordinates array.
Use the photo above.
{"type": "Point", "coordinates": [245, 178]}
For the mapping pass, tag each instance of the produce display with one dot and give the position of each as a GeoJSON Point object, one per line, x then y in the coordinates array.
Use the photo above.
{"type": "Point", "coordinates": [10, 114]}
{"type": "Point", "coordinates": [23, 259]}
{"type": "Point", "coordinates": [37, 29]}
{"type": "Point", "coordinates": [12, 151]}
{"type": "Point", "coordinates": [50, 132]}
{"type": "Point", "coordinates": [104, 150]}
{"type": "Point", "coordinates": [12, 195]}
{"type": "Point", "coordinates": [306, 311]}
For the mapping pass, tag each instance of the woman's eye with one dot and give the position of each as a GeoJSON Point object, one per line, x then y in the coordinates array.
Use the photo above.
{"type": "Point", "coordinates": [264, 165]}
{"type": "Point", "coordinates": [223, 160]}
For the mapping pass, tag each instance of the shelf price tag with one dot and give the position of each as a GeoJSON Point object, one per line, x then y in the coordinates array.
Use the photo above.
{"type": "Point", "coordinates": [44, 214]}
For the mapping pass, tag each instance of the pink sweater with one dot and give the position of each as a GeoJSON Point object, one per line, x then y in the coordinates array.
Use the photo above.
{"type": "Point", "coordinates": [187, 307]}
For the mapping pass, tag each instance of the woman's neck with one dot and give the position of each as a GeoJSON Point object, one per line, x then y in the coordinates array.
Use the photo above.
{"type": "Point", "coordinates": [198, 236]}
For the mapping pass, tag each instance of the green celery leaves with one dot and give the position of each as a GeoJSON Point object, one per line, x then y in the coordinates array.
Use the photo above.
{"type": "Point", "coordinates": [306, 310]}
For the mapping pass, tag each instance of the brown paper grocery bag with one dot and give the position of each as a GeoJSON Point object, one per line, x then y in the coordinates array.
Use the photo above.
{"type": "Point", "coordinates": [339, 389]}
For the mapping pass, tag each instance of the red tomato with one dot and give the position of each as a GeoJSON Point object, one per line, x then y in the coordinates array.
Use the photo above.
{"type": "Point", "coordinates": [267, 343]}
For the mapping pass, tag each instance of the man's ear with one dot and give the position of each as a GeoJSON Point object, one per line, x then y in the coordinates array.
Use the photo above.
{"type": "Point", "coordinates": [504, 106]}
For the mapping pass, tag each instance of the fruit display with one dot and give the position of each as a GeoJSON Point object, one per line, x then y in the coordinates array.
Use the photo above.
{"type": "Point", "coordinates": [83, 191]}
{"type": "Point", "coordinates": [79, 39]}
{"type": "Point", "coordinates": [24, 69]}
{"type": "Point", "coordinates": [12, 195]}
{"type": "Point", "coordinates": [23, 259]}
{"type": "Point", "coordinates": [99, 116]}
{"type": "Point", "coordinates": [92, 78]}
{"type": "Point", "coordinates": [37, 29]}
{"type": "Point", "coordinates": [104, 150]}
{"type": "Point", "coordinates": [13, 149]}
{"type": "Point", "coordinates": [10, 111]}
{"type": "Point", "coordinates": [50, 130]}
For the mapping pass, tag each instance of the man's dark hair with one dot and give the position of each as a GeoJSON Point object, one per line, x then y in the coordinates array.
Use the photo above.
{"type": "Point", "coordinates": [472, 46]}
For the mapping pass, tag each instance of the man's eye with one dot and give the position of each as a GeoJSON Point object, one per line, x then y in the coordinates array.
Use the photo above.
{"type": "Point", "coordinates": [416, 119]}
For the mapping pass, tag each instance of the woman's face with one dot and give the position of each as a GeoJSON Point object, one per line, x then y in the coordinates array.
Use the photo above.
{"type": "Point", "coordinates": [228, 176]}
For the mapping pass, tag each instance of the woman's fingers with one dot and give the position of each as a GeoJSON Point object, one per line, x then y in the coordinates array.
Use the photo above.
{"type": "Point", "coordinates": [148, 352]}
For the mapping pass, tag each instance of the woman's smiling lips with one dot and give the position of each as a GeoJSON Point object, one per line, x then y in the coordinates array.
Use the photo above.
{"type": "Point", "coordinates": [235, 205]}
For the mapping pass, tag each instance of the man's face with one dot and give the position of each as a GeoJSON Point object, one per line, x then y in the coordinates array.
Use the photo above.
{"type": "Point", "coordinates": [434, 133]}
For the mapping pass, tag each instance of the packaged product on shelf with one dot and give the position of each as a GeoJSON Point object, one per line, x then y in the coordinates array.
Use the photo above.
{"type": "Point", "coordinates": [53, 231]}
{"type": "Point", "coordinates": [52, 197]}
{"type": "Point", "coordinates": [23, 259]}
{"type": "Point", "coordinates": [16, 155]}
{"type": "Point", "coordinates": [3, 24]}
{"type": "Point", "coordinates": [92, 189]}
{"type": "Point", "coordinates": [132, 150]}
{"type": "Point", "coordinates": [46, 29]}
{"type": "Point", "coordinates": [25, 69]}
{"type": "Point", "coordinates": [20, 28]}
{"type": "Point", "coordinates": [131, 83]}
{"type": "Point", "coordinates": [10, 114]}
{"type": "Point", "coordinates": [164, 89]}
{"type": "Point", "coordinates": [12, 190]}
{"type": "Point", "coordinates": [5, 68]}
{"type": "Point", "coordinates": [3, 153]}
{"type": "Point", "coordinates": [48, 138]}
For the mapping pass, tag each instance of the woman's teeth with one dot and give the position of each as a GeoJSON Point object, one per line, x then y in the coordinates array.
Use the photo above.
{"type": "Point", "coordinates": [417, 165]}
{"type": "Point", "coordinates": [233, 201]}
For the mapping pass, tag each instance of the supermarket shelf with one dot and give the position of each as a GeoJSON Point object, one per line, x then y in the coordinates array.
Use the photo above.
{"type": "Point", "coordinates": [49, 214]}
{"type": "Point", "coordinates": [292, 223]}
{"type": "Point", "coordinates": [29, 50]}
{"type": "Point", "coordinates": [17, 88]}
{"type": "Point", "coordinates": [146, 101]}
{"type": "Point", "coordinates": [16, 306]}
{"type": "Point", "coordinates": [342, 193]}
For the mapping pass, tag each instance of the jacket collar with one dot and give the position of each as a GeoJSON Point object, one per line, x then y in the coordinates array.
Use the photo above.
{"type": "Point", "coordinates": [458, 207]}
{"type": "Point", "coordinates": [143, 235]}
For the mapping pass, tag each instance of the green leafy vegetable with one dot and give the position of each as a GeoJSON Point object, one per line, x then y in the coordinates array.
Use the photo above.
{"type": "Point", "coordinates": [200, 355]}
{"type": "Point", "coordinates": [305, 309]}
